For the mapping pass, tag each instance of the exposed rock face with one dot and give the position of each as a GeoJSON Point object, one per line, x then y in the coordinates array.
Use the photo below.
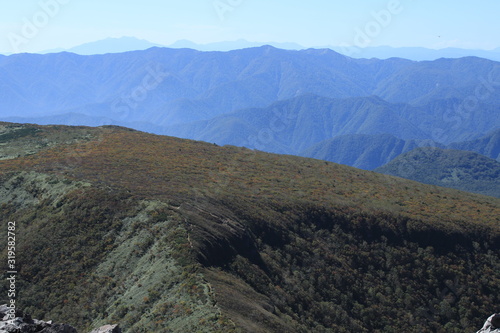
{"type": "Point", "coordinates": [107, 329]}
{"type": "Point", "coordinates": [492, 324]}
{"type": "Point", "coordinates": [22, 323]}
{"type": "Point", "coordinates": [28, 325]}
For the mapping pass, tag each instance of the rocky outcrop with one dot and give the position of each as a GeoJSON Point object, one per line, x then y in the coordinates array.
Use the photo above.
{"type": "Point", "coordinates": [107, 329]}
{"type": "Point", "coordinates": [492, 324]}
{"type": "Point", "coordinates": [23, 323]}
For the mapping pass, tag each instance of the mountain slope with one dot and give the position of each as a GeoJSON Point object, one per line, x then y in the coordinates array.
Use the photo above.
{"type": "Point", "coordinates": [462, 170]}
{"type": "Point", "coordinates": [362, 151]}
{"type": "Point", "coordinates": [489, 145]}
{"type": "Point", "coordinates": [422, 82]}
{"type": "Point", "coordinates": [294, 125]}
{"type": "Point", "coordinates": [161, 234]}
{"type": "Point", "coordinates": [161, 84]}
{"type": "Point", "coordinates": [372, 151]}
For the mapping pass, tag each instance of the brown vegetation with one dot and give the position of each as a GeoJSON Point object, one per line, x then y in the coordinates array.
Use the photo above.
{"type": "Point", "coordinates": [286, 243]}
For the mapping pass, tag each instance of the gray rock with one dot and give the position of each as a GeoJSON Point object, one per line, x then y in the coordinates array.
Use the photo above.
{"type": "Point", "coordinates": [4, 312]}
{"type": "Point", "coordinates": [10, 328]}
{"type": "Point", "coordinates": [23, 323]}
{"type": "Point", "coordinates": [107, 329]}
{"type": "Point", "coordinates": [492, 324]}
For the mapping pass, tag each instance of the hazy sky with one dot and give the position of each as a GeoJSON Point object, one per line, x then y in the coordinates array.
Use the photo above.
{"type": "Point", "coordinates": [31, 26]}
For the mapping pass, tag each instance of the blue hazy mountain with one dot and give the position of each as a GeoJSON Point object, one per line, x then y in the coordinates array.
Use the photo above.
{"type": "Point", "coordinates": [488, 145]}
{"type": "Point", "coordinates": [108, 45]}
{"type": "Point", "coordinates": [373, 151]}
{"type": "Point", "coordinates": [125, 44]}
{"type": "Point", "coordinates": [416, 53]}
{"type": "Point", "coordinates": [364, 151]}
{"type": "Point", "coordinates": [234, 97]}
{"type": "Point", "coordinates": [380, 52]}
{"type": "Point", "coordinates": [294, 125]}
{"type": "Point", "coordinates": [232, 45]}
{"type": "Point", "coordinates": [365, 132]}
{"type": "Point", "coordinates": [186, 85]}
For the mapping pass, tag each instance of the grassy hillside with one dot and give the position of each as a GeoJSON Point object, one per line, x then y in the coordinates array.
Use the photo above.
{"type": "Point", "coordinates": [463, 170]}
{"type": "Point", "coordinates": [164, 234]}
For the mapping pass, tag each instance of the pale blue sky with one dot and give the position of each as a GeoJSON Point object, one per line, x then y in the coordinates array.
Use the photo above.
{"type": "Point", "coordinates": [433, 24]}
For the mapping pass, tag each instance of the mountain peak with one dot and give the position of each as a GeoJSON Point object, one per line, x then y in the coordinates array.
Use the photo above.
{"type": "Point", "coordinates": [110, 45]}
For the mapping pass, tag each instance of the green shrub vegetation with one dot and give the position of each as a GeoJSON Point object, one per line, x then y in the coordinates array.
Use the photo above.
{"type": "Point", "coordinates": [463, 170]}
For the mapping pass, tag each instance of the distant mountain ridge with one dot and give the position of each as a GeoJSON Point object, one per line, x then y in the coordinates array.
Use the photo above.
{"type": "Point", "coordinates": [126, 44]}
{"type": "Point", "coordinates": [372, 151]}
{"type": "Point", "coordinates": [416, 53]}
{"type": "Point", "coordinates": [294, 125]}
{"type": "Point", "coordinates": [186, 85]}
{"type": "Point", "coordinates": [363, 151]}
{"type": "Point", "coordinates": [233, 45]}
{"type": "Point", "coordinates": [488, 145]}
{"type": "Point", "coordinates": [365, 132]}
{"type": "Point", "coordinates": [108, 45]}
{"type": "Point", "coordinates": [281, 101]}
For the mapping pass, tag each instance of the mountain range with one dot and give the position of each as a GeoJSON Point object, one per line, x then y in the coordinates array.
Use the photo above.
{"type": "Point", "coordinates": [168, 86]}
{"type": "Point", "coordinates": [416, 53]}
{"type": "Point", "coordinates": [295, 125]}
{"type": "Point", "coordinates": [363, 151]}
{"type": "Point", "coordinates": [162, 234]}
{"type": "Point", "coordinates": [315, 103]}
{"type": "Point", "coordinates": [126, 44]}
{"type": "Point", "coordinates": [372, 151]}
{"type": "Point", "coordinates": [108, 45]}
